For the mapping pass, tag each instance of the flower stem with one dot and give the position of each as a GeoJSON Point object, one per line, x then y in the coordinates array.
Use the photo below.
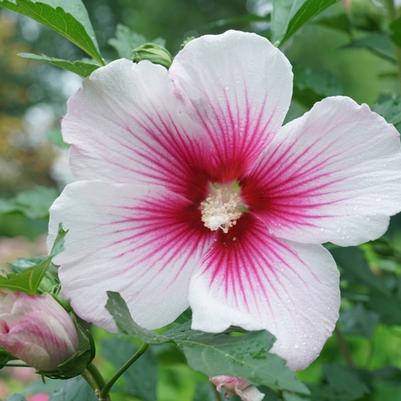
{"type": "Point", "coordinates": [95, 380]}
{"type": "Point", "coordinates": [392, 15]}
{"type": "Point", "coordinates": [104, 393]}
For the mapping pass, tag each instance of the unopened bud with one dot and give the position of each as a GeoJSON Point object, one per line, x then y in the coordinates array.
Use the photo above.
{"type": "Point", "coordinates": [37, 330]}
{"type": "Point", "coordinates": [154, 53]}
{"type": "Point", "coordinates": [232, 385]}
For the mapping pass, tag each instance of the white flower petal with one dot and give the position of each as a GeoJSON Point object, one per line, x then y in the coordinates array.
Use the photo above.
{"type": "Point", "coordinates": [333, 174]}
{"type": "Point", "coordinates": [259, 282]}
{"type": "Point", "coordinates": [239, 86]}
{"type": "Point", "coordinates": [126, 125]}
{"type": "Point", "coordinates": [123, 238]}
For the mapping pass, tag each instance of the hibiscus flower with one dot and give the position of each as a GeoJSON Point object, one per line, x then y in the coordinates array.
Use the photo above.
{"type": "Point", "coordinates": [189, 192]}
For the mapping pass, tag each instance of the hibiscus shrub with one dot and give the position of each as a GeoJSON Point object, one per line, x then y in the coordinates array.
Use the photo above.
{"type": "Point", "coordinates": [199, 232]}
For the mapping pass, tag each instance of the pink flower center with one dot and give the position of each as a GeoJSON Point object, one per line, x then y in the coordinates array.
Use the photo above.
{"type": "Point", "coordinates": [222, 207]}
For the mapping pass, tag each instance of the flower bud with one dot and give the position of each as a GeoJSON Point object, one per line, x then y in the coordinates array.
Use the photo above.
{"type": "Point", "coordinates": [232, 385]}
{"type": "Point", "coordinates": [36, 329]}
{"type": "Point", "coordinates": [154, 53]}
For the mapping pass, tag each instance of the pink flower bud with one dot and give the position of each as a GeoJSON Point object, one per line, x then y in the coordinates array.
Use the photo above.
{"type": "Point", "coordinates": [233, 385]}
{"type": "Point", "coordinates": [36, 329]}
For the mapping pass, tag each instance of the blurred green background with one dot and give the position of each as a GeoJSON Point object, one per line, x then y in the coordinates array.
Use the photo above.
{"type": "Point", "coordinates": [343, 51]}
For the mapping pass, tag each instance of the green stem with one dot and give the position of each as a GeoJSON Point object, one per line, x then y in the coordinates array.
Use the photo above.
{"type": "Point", "coordinates": [94, 378]}
{"type": "Point", "coordinates": [107, 387]}
{"type": "Point", "coordinates": [344, 349]}
{"type": "Point", "coordinates": [392, 15]}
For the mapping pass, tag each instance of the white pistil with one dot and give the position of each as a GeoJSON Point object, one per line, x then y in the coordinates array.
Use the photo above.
{"type": "Point", "coordinates": [223, 207]}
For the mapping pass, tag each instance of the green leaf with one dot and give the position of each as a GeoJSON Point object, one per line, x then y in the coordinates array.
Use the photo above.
{"type": "Point", "coordinates": [140, 380]}
{"type": "Point", "coordinates": [289, 15]}
{"type": "Point", "coordinates": [22, 264]}
{"type": "Point", "coordinates": [395, 31]}
{"type": "Point", "coordinates": [339, 22]}
{"type": "Point", "coordinates": [33, 204]}
{"type": "Point", "coordinates": [204, 392]}
{"type": "Point", "coordinates": [243, 355]}
{"type": "Point", "coordinates": [154, 53]}
{"type": "Point", "coordinates": [358, 321]}
{"type": "Point", "coordinates": [389, 106]}
{"type": "Point", "coordinates": [80, 67]}
{"type": "Point", "coordinates": [311, 86]}
{"type": "Point", "coordinates": [246, 356]}
{"type": "Point", "coordinates": [122, 316]}
{"type": "Point", "coordinates": [68, 18]}
{"type": "Point", "coordinates": [126, 40]}
{"type": "Point", "coordinates": [345, 381]}
{"type": "Point", "coordinates": [387, 306]}
{"type": "Point", "coordinates": [377, 43]}
{"type": "Point", "coordinates": [356, 269]}
{"type": "Point", "coordinates": [28, 280]}
{"type": "Point", "coordinates": [58, 244]}
{"type": "Point", "coordinates": [28, 273]}
{"type": "Point", "coordinates": [293, 397]}
{"type": "Point", "coordinates": [74, 390]}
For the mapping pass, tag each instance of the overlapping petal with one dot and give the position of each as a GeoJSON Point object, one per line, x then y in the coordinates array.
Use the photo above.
{"type": "Point", "coordinates": [122, 238]}
{"type": "Point", "coordinates": [333, 174]}
{"type": "Point", "coordinates": [126, 125]}
{"type": "Point", "coordinates": [255, 281]}
{"type": "Point", "coordinates": [239, 86]}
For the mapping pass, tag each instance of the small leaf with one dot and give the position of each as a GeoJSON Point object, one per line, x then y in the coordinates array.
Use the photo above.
{"type": "Point", "coordinates": [289, 15]}
{"type": "Point", "coordinates": [33, 204]}
{"type": "Point", "coordinates": [356, 269]}
{"type": "Point", "coordinates": [126, 40]}
{"type": "Point", "coordinates": [80, 67]}
{"type": "Point", "coordinates": [58, 244]}
{"type": "Point", "coordinates": [28, 273]}
{"type": "Point", "coordinates": [28, 280]}
{"type": "Point", "coordinates": [358, 321]}
{"type": "Point", "coordinates": [377, 43]}
{"type": "Point", "coordinates": [22, 264]}
{"type": "Point", "coordinates": [389, 106]}
{"type": "Point", "coordinates": [311, 86]}
{"type": "Point", "coordinates": [122, 316]}
{"type": "Point", "coordinates": [68, 18]}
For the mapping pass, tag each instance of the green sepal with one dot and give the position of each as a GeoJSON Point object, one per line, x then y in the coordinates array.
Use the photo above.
{"type": "Point", "coordinates": [154, 53]}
